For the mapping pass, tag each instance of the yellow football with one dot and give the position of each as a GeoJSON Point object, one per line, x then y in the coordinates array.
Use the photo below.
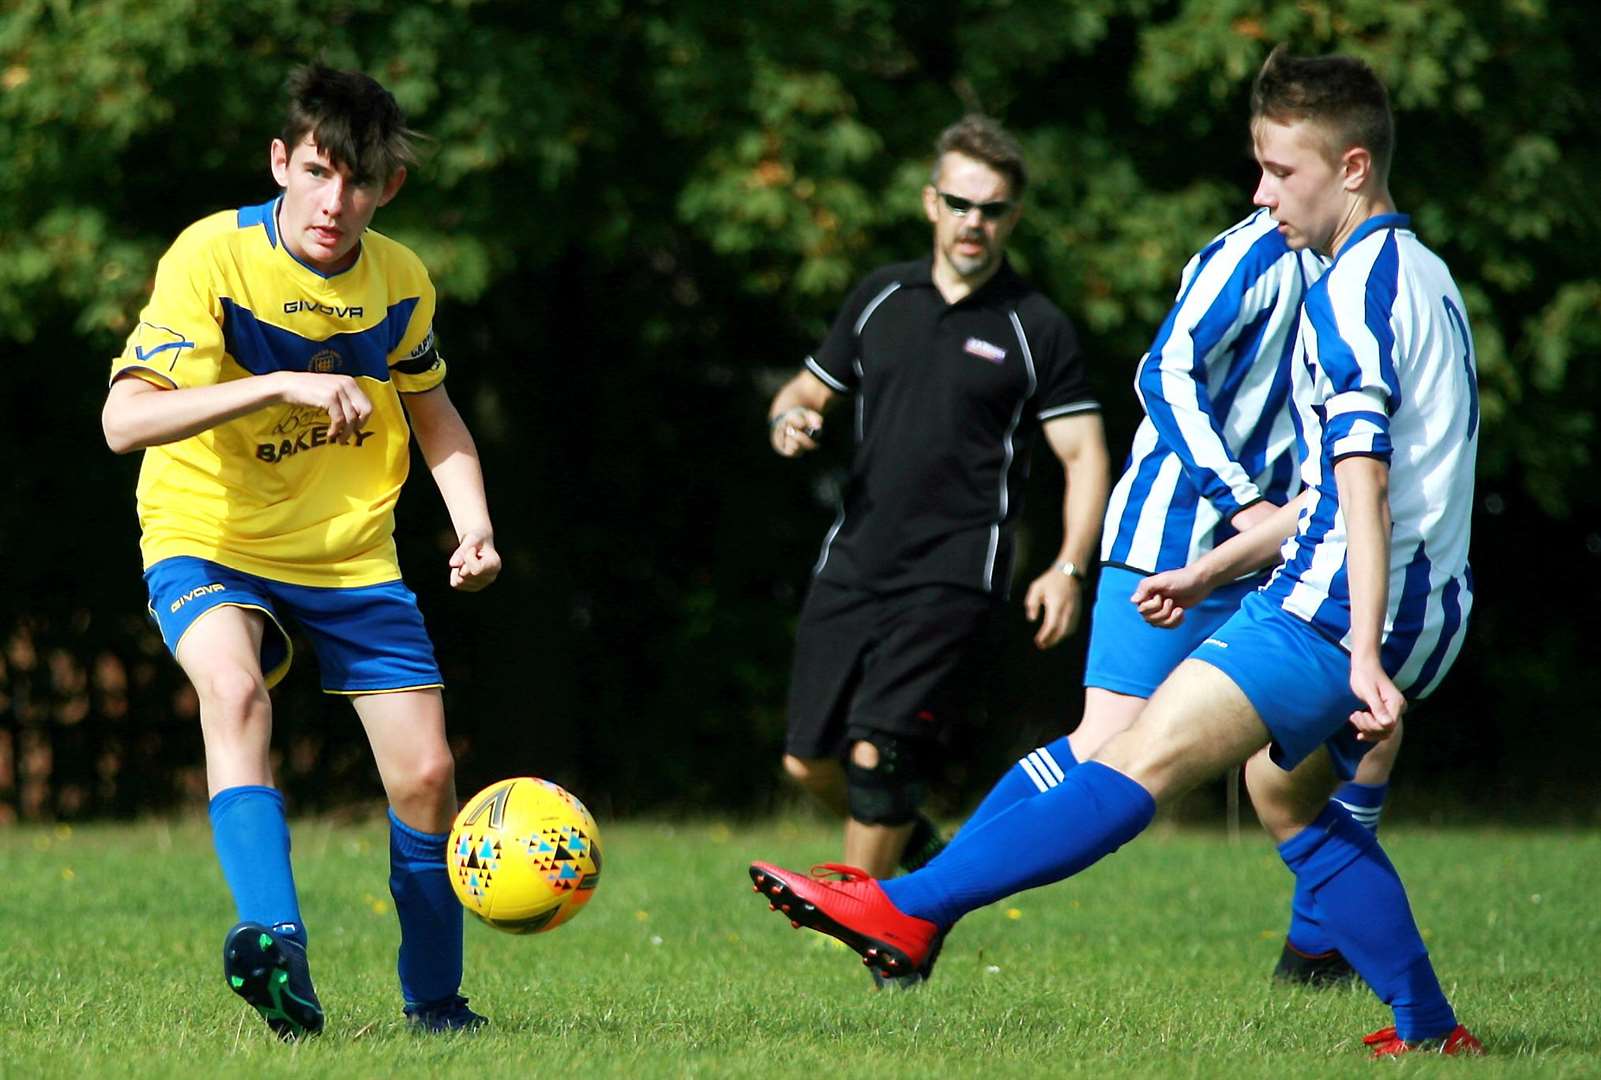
{"type": "Point", "coordinates": [524, 855]}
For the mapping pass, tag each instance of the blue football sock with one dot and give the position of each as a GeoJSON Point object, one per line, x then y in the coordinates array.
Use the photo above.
{"type": "Point", "coordinates": [1037, 771]}
{"type": "Point", "coordinates": [1094, 811]}
{"type": "Point", "coordinates": [430, 915]}
{"type": "Point", "coordinates": [1365, 913]}
{"type": "Point", "coordinates": [1365, 802]}
{"type": "Point", "coordinates": [252, 841]}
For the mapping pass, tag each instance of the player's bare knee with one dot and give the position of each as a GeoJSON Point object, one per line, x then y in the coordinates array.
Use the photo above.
{"type": "Point", "coordinates": [865, 753]}
{"type": "Point", "coordinates": [232, 696]}
{"type": "Point", "coordinates": [1285, 803]}
{"type": "Point", "coordinates": [1144, 765]}
{"type": "Point", "coordinates": [809, 773]}
{"type": "Point", "coordinates": [886, 779]}
{"type": "Point", "coordinates": [1161, 766]}
{"type": "Point", "coordinates": [423, 793]}
{"type": "Point", "coordinates": [437, 773]}
{"type": "Point", "coordinates": [433, 774]}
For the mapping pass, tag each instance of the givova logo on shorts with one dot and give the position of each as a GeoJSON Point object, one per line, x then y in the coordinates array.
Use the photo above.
{"type": "Point", "coordinates": [202, 590]}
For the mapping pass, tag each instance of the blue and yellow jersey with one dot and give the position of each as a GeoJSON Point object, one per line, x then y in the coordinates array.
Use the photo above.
{"type": "Point", "coordinates": [269, 493]}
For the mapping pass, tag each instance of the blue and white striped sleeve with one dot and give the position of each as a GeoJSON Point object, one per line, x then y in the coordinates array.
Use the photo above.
{"type": "Point", "coordinates": [1226, 287]}
{"type": "Point", "coordinates": [1351, 318]}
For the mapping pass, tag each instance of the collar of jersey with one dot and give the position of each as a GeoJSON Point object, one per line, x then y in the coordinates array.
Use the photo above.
{"type": "Point", "coordinates": [274, 237]}
{"type": "Point", "coordinates": [1372, 225]}
{"type": "Point", "coordinates": [1003, 278]}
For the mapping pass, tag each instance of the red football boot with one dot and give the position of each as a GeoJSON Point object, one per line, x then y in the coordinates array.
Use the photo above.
{"type": "Point", "coordinates": [1386, 1043]}
{"type": "Point", "coordinates": [854, 910]}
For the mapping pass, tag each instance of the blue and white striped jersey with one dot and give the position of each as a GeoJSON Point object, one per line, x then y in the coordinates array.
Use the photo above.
{"type": "Point", "coordinates": [1384, 367]}
{"type": "Point", "coordinates": [1218, 433]}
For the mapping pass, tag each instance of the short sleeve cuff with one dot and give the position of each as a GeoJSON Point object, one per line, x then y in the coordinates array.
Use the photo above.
{"type": "Point", "coordinates": [1056, 412]}
{"type": "Point", "coordinates": [422, 383]}
{"type": "Point", "coordinates": [829, 380]}
{"type": "Point", "coordinates": [1364, 434]}
{"type": "Point", "coordinates": [1237, 501]}
{"type": "Point", "coordinates": [149, 375]}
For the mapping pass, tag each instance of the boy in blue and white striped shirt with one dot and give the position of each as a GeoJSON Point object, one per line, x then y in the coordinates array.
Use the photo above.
{"type": "Point", "coordinates": [1367, 604]}
{"type": "Point", "coordinates": [1385, 373]}
{"type": "Point", "coordinates": [1215, 454]}
{"type": "Point", "coordinates": [1217, 438]}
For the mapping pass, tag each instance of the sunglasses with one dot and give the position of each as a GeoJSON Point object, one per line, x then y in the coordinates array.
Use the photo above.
{"type": "Point", "coordinates": [960, 207]}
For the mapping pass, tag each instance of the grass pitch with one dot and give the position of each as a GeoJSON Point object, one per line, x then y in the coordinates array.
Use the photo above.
{"type": "Point", "coordinates": [1153, 964]}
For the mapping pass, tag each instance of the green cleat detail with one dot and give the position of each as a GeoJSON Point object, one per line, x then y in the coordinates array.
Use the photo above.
{"type": "Point", "coordinates": [270, 973]}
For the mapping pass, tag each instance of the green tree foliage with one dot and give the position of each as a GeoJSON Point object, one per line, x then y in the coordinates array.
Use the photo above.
{"type": "Point", "coordinates": [791, 142]}
{"type": "Point", "coordinates": [641, 215]}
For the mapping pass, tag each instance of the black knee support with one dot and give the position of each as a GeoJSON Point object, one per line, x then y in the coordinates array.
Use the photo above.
{"type": "Point", "coordinates": [890, 792]}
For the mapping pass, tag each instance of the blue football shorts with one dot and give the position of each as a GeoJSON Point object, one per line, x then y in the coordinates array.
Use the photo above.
{"type": "Point", "coordinates": [1127, 655]}
{"type": "Point", "coordinates": [368, 640]}
{"type": "Point", "coordinates": [1298, 681]}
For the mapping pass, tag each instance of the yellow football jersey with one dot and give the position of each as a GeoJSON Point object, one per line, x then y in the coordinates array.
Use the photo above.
{"type": "Point", "coordinates": [269, 493]}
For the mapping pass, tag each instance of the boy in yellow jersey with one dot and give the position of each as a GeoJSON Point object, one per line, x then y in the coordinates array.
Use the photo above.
{"type": "Point", "coordinates": [270, 382]}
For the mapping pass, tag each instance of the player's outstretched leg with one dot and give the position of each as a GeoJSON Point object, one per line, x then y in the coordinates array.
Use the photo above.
{"type": "Point", "coordinates": [1106, 714]}
{"type": "Point", "coordinates": [1055, 834]}
{"type": "Point", "coordinates": [269, 971]}
{"type": "Point", "coordinates": [1038, 770]}
{"type": "Point", "coordinates": [895, 923]}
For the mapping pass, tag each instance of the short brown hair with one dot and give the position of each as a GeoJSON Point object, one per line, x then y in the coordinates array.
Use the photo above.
{"type": "Point", "coordinates": [351, 118]}
{"type": "Point", "coordinates": [1339, 92]}
{"type": "Point", "coordinates": [983, 139]}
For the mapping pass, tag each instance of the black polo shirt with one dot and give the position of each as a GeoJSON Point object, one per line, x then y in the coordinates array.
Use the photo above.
{"type": "Point", "coordinates": [949, 399]}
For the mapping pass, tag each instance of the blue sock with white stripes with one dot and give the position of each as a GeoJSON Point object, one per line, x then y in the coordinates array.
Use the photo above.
{"type": "Point", "coordinates": [430, 915]}
{"type": "Point", "coordinates": [1094, 811]}
{"type": "Point", "coordinates": [252, 840]}
{"type": "Point", "coordinates": [1037, 771]}
{"type": "Point", "coordinates": [1365, 912]}
{"type": "Point", "coordinates": [1365, 802]}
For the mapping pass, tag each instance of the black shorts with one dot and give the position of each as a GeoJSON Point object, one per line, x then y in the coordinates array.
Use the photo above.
{"type": "Point", "coordinates": [900, 663]}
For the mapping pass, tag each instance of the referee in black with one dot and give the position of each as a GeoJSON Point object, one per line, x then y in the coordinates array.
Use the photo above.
{"type": "Point", "coordinates": [955, 363]}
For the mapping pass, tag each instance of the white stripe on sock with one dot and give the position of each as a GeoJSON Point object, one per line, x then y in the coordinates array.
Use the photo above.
{"type": "Point", "coordinates": [1044, 755]}
{"type": "Point", "coordinates": [1028, 766]}
{"type": "Point", "coordinates": [1366, 816]}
